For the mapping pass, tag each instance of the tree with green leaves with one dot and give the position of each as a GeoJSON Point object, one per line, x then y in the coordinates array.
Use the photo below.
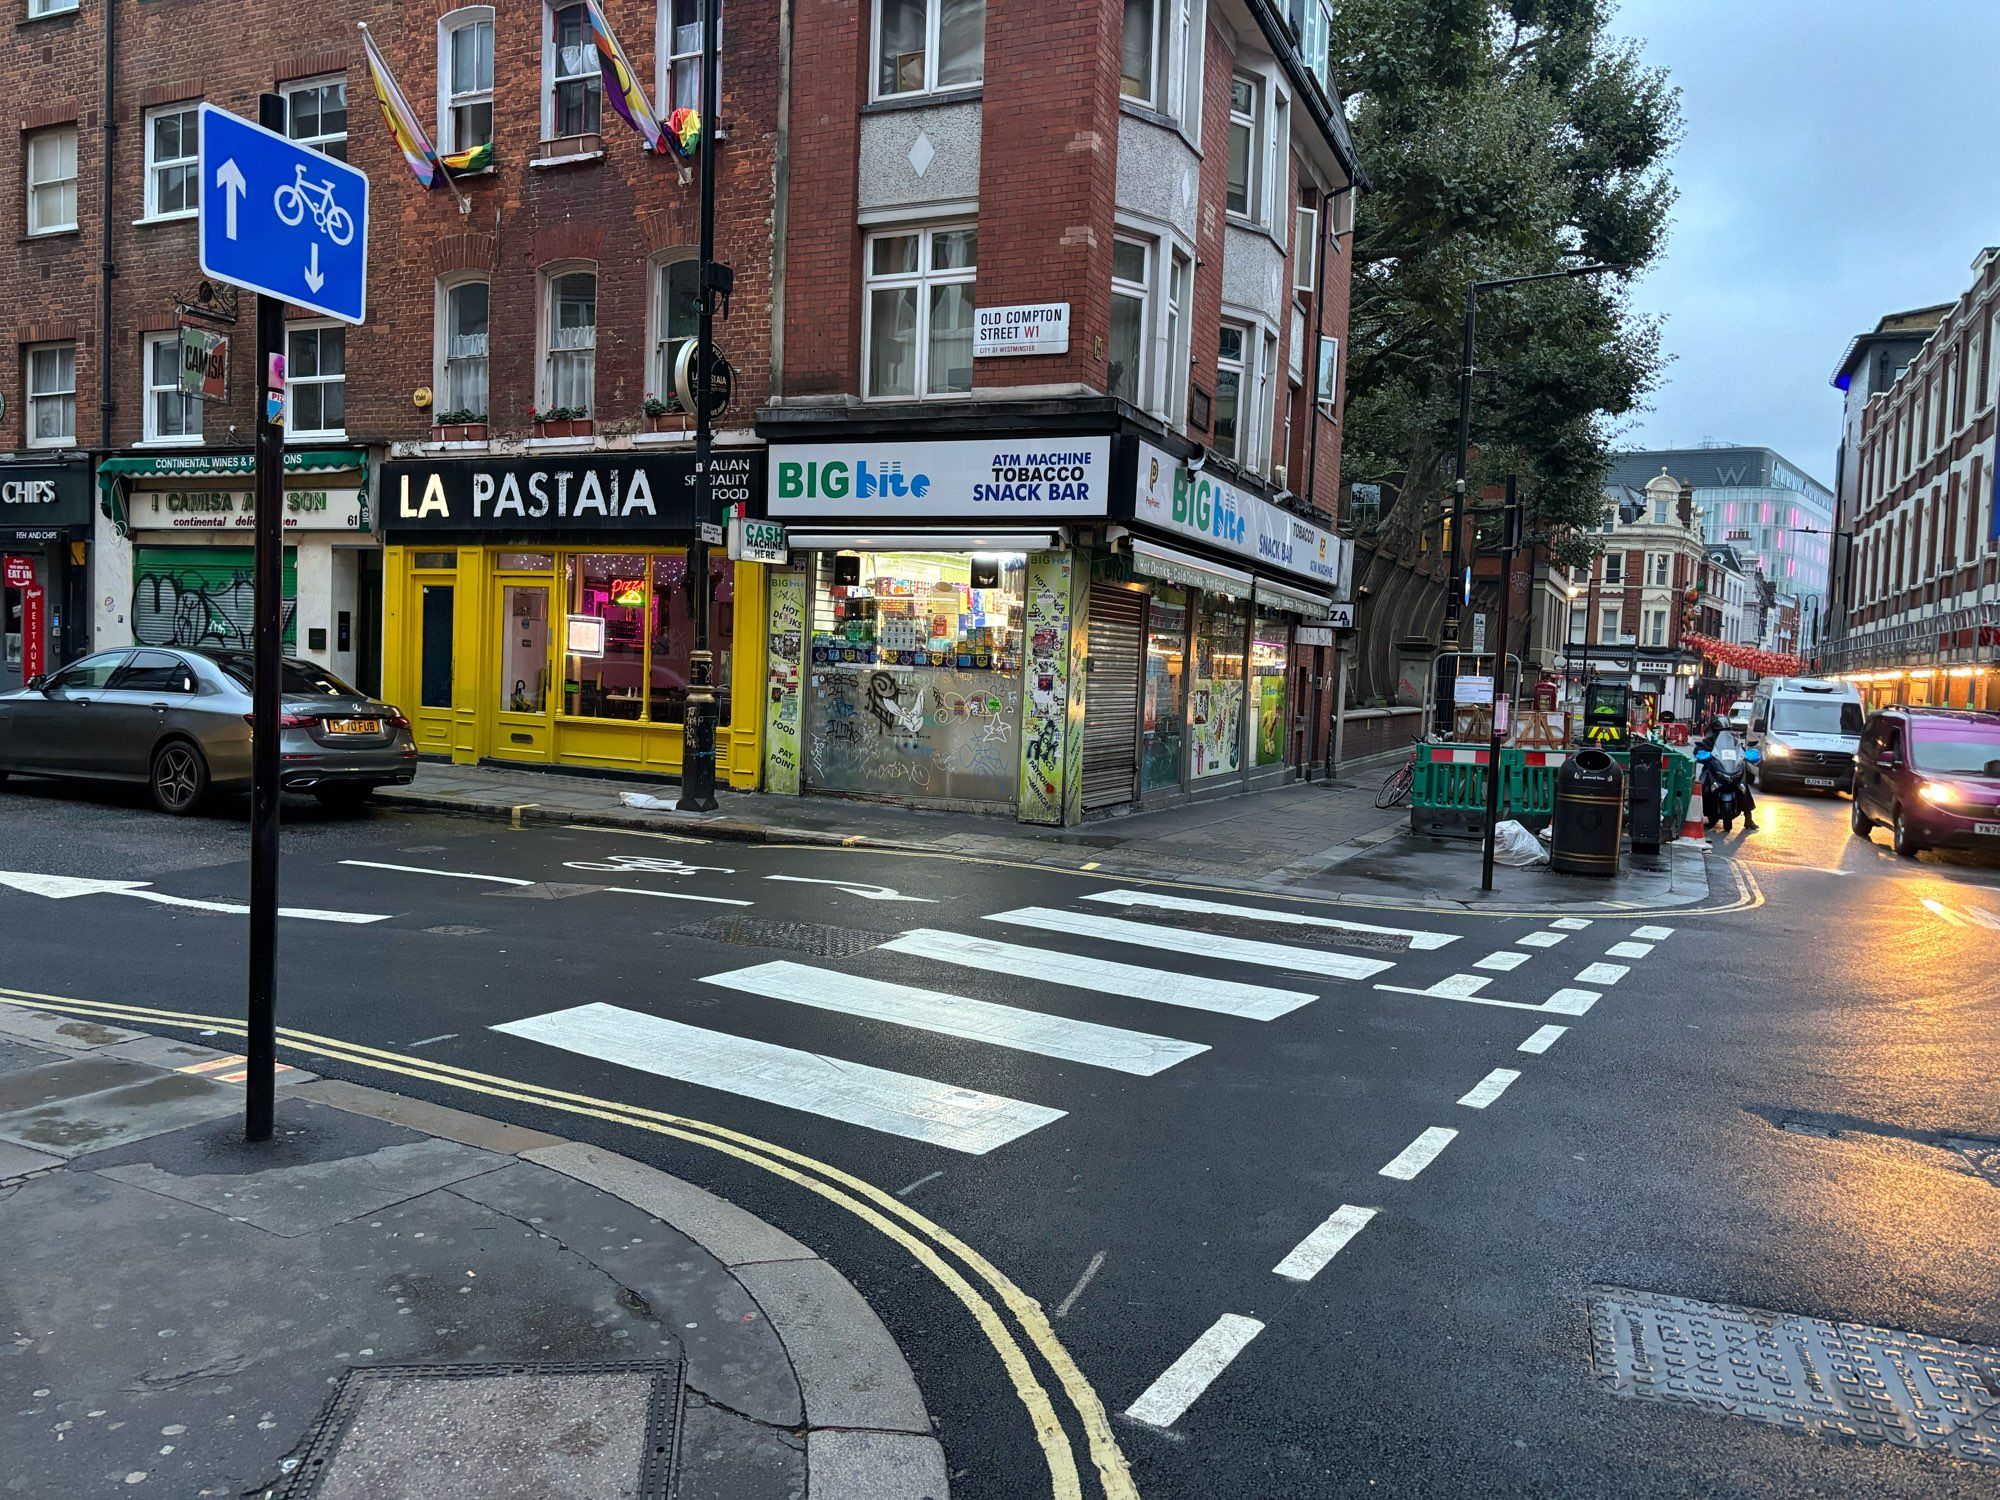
{"type": "Point", "coordinates": [1502, 138]}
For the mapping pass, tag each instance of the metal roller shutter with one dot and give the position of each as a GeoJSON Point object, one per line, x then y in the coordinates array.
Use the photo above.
{"type": "Point", "coordinates": [199, 598]}
{"type": "Point", "coordinates": [1117, 637]}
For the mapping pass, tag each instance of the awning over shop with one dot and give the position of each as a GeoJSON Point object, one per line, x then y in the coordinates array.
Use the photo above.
{"type": "Point", "coordinates": [996, 539]}
{"type": "Point", "coordinates": [1284, 596]}
{"type": "Point", "coordinates": [1164, 563]}
{"type": "Point", "coordinates": [115, 476]}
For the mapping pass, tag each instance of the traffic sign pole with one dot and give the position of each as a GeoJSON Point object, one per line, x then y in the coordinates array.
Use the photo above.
{"type": "Point", "coordinates": [698, 733]}
{"type": "Point", "coordinates": [260, 1050]}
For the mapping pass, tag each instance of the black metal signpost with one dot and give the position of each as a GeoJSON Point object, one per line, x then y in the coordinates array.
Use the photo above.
{"type": "Point", "coordinates": [1510, 541]}
{"type": "Point", "coordinates": [260, 1046]}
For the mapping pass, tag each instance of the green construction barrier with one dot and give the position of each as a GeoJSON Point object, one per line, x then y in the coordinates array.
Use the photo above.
{"type": "Point", "coordinates": [1448, 799]}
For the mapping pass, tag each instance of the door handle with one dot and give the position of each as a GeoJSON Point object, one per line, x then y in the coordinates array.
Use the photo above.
{"type": "Point", "coordinates": [160, 707]}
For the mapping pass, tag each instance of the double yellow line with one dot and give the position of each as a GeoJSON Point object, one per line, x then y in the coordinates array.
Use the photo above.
{"type": "Point", "coordinates": [930, 1244]}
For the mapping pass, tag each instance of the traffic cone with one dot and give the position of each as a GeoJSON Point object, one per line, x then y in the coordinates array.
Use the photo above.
{"type": "Point", "coordinates": [1694, 832]}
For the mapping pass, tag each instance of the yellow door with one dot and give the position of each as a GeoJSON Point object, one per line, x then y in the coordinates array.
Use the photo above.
{"type": "Point", "coordinates": [430, 658]}
{"type": "Point", "coordinates": [524, 722]}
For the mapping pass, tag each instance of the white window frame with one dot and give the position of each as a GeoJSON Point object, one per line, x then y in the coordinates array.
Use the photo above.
{"type": "Point", "coordinates": [1610, 623]}
{"type": "Point", "coordinates": [1654, 628]}
{"type": "Point", "coordinates": [545, 349]}
{"type": "Point", "coordinates": [53, 135]}
{"type": "Point", "coordinates": [1614, 568]}
{"type": "Point", "coordinates": [552, 80]}
{"type": "Point", "coordinates": [1177, 315]}
{"type": "Point", "coordinates": [42, 9]}
{"type": "Point", "coordinates": [1326, 374]}
{"type": "Point", "coordinates": [923, 279]}
{"type": "Point", "coordinates": [151, 425]}
{"type": "Point", "coordinates": [318, 143]}
{"type": "Point", "coordinates": [1157, 56]}
{"type": "Point", "coordinates": [1189, 57]}
{"type": "Point", "coordinates": [1659, 569]}
{"type": "Point", "coordinates": [53, 393]}
{"type": "Point", "coordinates": [1267, 399]}
{"type": "Point", "coordinates": [669, 53]}
{"type": "Point", "coordinates": [1244, 366]}
{"type": "Point", "coordinates": [293, 381]}
{"type": "Point", "coordinates": [155, 166]}
{"type": "Point", "coordinates": [441, 340]}
{"type": "Point", "coordinates": [659, 369]}
{"type": "Point", "coordinates": [1316, 43]}
{"type": "Point", "coordinates": [1141, 291]}
{"type": "Point", "coordinates": [1277, 161]}
{"type": "Point", "coordinates": [933, 18]}
{"type": "Point", "coordinates": [1305, 249]}
{"type": "Point", "coordinates": [449, 103]}
{"type": "Point", "coordinates": [1254, 156]}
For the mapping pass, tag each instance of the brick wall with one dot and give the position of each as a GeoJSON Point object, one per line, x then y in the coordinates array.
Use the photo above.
{"type": "Point", "coordinates": [823, 245]}
{"type": "Point", "coordinates": [49, 285]}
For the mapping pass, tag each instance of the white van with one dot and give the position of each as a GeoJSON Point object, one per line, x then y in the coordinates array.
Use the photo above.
{"type": "Point", "coordinates": [1806, 731]}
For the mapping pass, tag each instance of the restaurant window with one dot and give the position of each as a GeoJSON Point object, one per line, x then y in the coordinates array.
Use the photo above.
{"type": "Point", "coordinates": [1270, 686]}
{"type": "Point", "coordinates": [569, 333]}
{"type": "Point", "coordinates": [1216, 711]}
{"type": "Point", "coordinates": [923, 46]}
{"type": "Point", "coordinates": [173, 182]}
{"type": "Point", "coordinates": [464, 309]}
{"type": "Point", "coordinates": [51, 172]}
{"type": "Point", "coordinates": [629, 635]}
{"type": "Point", "coordinates": [1164, 713]}
{"type": "Point", "coordinates": [917, 333]}
{"type": "Point", "coordinates": [316, 115]}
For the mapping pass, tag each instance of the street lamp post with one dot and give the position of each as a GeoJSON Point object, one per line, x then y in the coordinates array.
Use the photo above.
{"type": "Point", "coordinates": [1454, 584]}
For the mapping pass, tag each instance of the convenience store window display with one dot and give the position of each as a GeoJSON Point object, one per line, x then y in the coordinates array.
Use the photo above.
{"type": "Point", "coordinates": [630, 631]}
{"type": "Point", "coordinates": [916, 675]}
{"type": "Point", "coordinates": [1216, 715]}
{"type": "Point", "coordinates": [1165, 706]}
{"type": "Point", "coordinates": [1270, 650]}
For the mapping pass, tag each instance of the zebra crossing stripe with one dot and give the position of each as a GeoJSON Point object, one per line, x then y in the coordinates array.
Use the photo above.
{"type": "Point", "coordinates": [1419, 938]}
{"type": "Point", "coordinates": [920, 1109]}
{"type": "Point", "coordinates": [957, 1015]}
{"type": "Point", "coordinates": [1200, 944]}
{"type": "Point", "coordinates": [1228, 997]}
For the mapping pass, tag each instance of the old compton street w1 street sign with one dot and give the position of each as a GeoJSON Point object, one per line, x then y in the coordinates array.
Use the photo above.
{"type": "Point", "coordinates": [282, 219]}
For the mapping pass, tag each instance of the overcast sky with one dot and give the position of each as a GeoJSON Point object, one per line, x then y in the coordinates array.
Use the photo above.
{"type": "Point", "coordinates": [1839, 163]}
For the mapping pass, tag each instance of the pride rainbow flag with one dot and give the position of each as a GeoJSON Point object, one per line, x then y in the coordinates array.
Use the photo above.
{"type": "Point", "coordinates": [621, 84]}
{"type": "Point", "coordinates": [416, 145]}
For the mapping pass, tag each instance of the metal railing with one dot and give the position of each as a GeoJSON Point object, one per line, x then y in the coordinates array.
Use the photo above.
{"type": "Point", "coordinates": [1934, 641]}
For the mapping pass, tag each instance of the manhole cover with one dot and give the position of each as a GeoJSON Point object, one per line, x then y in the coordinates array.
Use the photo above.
{"type": "Point", "coordinates": [583, 1430]}
{"type": "Point", "coordinates": [1814, 1376]}
{"type": "Point", "coordinates": [796, 937]}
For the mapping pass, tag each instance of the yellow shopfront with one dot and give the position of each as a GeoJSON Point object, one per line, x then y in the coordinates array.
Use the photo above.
{"type": "Point", "coordinates": [556, 629]}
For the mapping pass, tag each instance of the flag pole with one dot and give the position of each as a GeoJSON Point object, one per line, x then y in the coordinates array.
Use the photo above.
{"type": "Point", "coordinates": [436, 156]}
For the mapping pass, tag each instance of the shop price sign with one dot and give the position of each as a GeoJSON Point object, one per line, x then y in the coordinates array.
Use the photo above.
{"type": "Point", "coordinates": [758, 541]}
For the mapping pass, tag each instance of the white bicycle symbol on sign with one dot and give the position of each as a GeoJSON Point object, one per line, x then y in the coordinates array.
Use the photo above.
{"type": "Point", "coordinates": [295, 198]}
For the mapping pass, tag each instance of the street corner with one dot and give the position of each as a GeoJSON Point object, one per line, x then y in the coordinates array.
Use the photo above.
{"type": "Point", "coordinates": [393, 1297]}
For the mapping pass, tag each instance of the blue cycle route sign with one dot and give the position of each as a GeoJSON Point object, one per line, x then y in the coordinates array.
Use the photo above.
{"type": "Point", "coordinates": [282, 219]}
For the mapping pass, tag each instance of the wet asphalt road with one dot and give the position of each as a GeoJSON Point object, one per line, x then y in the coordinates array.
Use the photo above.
{"type": "Point", "coordinates": [1745, 1116]}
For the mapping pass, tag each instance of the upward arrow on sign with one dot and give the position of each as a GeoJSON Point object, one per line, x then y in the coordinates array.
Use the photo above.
{"type": "Point", "coordinates": [229, 177]}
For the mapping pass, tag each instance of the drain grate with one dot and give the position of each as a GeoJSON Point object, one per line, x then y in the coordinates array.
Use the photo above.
{"type": "Point", "coordinates": [793, 937]}
{"type": "Point", "coordinates": [1817, 1377]}
{"type": "Point", "coordinates": [589, 1430]}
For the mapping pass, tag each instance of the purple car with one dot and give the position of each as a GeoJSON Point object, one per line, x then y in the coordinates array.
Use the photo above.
{"type": "Point", "coordinates": [1932, 775]}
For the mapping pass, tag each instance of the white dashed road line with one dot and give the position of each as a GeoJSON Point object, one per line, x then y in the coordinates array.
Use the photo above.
{"type": "Point", "coordinates": [1628, 950]}
{"type": "Point", "coordinates": [1571, 924]}
{"type": "Point", "coordinates": [1652, 934]}
{"type": "Point", "coordinates": [1420, 1153]}
{"type": "Point", "coordinates": [1602, 974]}
{"type": "Point", "coordinates": [1505, 961]}
{"type": "Point", "coordinates": [1167, 1399]}
{"type": "Point", "coordinates": [1543, 1039]}
{"type": "Point", "coordinates": [1310, 1255]}
{"type": "Point", "coordinates": [1541, 939]}
{"type": "Point", "coordinates": [1489, 1088]}
{"type": "Point", "coordinates": [1568, 1002]}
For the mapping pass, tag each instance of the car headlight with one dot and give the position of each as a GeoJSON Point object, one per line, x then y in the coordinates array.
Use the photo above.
{"type": "Point", "coordinates": [1777, 749]}
{"type": "Point", "coordinates": [1940, 792]}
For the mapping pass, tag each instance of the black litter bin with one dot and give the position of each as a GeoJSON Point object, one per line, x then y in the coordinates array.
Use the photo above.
{"type": "Point", "coordinates": [1642, 794]}
{"type": "Point", "coordinates": [1589, 815]}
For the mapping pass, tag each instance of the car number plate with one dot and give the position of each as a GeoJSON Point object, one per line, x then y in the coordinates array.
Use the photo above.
{"type": "Point", "coordinates": [355, 726]}
{"type": "Point", "coordinates": [1820, 781]}
{"type": "Point", "coordinates": [1986, 828]}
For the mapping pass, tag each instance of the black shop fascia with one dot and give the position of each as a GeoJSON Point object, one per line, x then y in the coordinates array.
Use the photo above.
{"type": "Point", "coordinates": [586, 496]}
{"type": "Point", "coordinates": [45, 518]}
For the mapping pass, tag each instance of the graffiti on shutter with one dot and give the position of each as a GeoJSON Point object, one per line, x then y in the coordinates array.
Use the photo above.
{"type": "Point", "coordinates": [202, 599]}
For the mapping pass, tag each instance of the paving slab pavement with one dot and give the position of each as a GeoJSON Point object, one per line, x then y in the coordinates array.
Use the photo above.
{"type": "Point", "coordinates": [377, 1300]}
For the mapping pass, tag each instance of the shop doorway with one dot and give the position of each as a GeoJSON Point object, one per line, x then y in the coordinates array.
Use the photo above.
{"type": "Point", "coordinates": [524, 726]}
{"type": "Point", "coordinates": [1117, 643]}
{"type": "Point", "coordinates": [367, 627]}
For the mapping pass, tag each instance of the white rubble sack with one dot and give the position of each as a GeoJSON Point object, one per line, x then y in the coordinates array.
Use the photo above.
{"type": "Point", "coordinates": [1514, 845]}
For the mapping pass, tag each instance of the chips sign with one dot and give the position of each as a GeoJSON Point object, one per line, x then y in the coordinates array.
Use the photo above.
{"type": "Point", "coordinates": [204, 365]}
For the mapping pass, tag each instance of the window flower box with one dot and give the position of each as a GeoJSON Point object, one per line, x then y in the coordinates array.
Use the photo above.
{"type": "Point", "coordinates": [563, 422]}
{"type": "Point", "coordinates": [459, 427]}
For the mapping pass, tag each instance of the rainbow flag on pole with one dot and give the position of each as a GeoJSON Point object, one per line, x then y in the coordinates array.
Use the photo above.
{"type": "Point", "coordinates": [416, 145]}
{"type": "Point", "coordinates": [621, 84]}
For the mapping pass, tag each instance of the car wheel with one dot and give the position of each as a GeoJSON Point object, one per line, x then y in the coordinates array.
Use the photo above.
{"type": "Point", "coordinates": [1860, 822]}
{"type": "Point", "coordinates": [180, 777]}
{"type": "Point", "coordinates": [1906, 842]}
{"type": "Point", "coordinates": [343, 798]}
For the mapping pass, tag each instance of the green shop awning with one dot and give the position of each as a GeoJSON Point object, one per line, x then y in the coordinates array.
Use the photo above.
{"type": "Point", "coordinates": [115, 475]}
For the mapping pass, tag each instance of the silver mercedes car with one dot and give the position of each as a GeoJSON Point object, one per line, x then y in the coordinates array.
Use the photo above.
{"type": "Point", "coordinates": [179, 721]}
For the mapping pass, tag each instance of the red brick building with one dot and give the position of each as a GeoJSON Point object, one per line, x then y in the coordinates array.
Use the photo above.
{"type": "Point", "coordinates": [489, 485]}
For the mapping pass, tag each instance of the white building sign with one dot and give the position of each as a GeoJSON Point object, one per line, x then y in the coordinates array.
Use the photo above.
{"type": "Point", "coordinates": [1207, 508]}
{"type": "Point", "coordinates": [1040, 328]}
{"type": "Point", "coordinates": [235, 510]}
{"type": "Point", "coordinates": [999, 477]}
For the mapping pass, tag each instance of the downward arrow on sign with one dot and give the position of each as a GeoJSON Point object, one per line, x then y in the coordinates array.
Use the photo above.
{"type": "Point", "coordinates": [315, 278]}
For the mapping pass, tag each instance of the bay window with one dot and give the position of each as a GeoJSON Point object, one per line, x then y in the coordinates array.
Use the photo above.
{"type": "Point", "coordinates": [917, 323]}
{"type": "Point", "coordinates": [1245, 148]}
{"type": "Point", "coordinates": [1131, 323]}
{"type": "Point", "coordinates": [1140, 62]}
{"type": "Point", "coordinates": [1232, 352]}
{"type": "Point", "coordinates": [926, 46]}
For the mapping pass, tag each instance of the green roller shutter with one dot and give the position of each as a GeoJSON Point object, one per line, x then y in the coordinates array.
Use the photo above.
{"type": "Point", "coordinates": [200, 597]}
